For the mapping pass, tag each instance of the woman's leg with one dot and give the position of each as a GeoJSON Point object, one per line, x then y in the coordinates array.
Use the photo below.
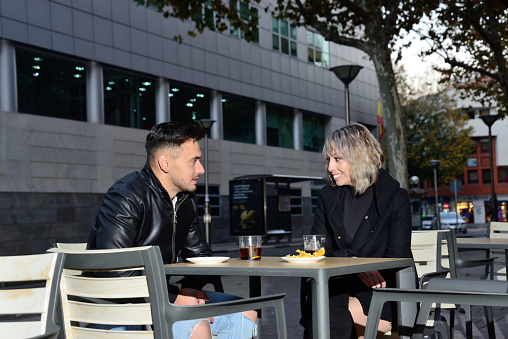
{"type": "Point", "coordinates": [360, 319]}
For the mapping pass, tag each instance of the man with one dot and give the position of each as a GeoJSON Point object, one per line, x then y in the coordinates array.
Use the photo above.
{"type": "Point", "coordinates": [156, 206]}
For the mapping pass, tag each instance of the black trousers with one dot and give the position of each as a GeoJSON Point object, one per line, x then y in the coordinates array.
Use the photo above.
{"type": "Point", "coordinates": [341, 321]}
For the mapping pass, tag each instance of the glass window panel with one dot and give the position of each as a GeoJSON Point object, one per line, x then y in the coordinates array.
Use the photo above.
{"type": "Point", "coordinates": [314, 195]}
{"type": "Point", "coordinates": [472, 177]}
{"type": "Point", "coordinates": [325, 60]}
{"type": "Point", "coordinates": [502, 174]}
{"type": "Point", "coordinates": [129, 100]}
{"type": "Point", "coordinates": [284, 46]}
{"type": "Point", "coordinates": [244, 11]}
{"type": "Point", "coordinates": [188, 104]}
{"type": "Point", "coordinates": [213, 196]}
{"type": "Point", "coordinates": [485, 162]}
{"type": "Point", "coordinates": [472, 162]}
{"type": "Point", "coordinates": [275, 25]}
{"type": "Point", "coordinates": [311, 54]}
{"type": "Point", "coordinates": [317, 57]}
{"type": "Point", "coordinates": [296, 201]}
{"type": "Point", "coordinates": [310, 38]}
{"type": "Point", "coordinates": [50, 86]}
{"type": "Point", "coordinates": [239, 119]}
{"type": "Point", "coordinates": [484, 146]}
{"type": "Point", "coordinates": [284, 28]}
{"type": "Point", "coordinates": [326, 46]}
{"type": "Point", "coordinates": [293, 48]}
{"type": "Point", "coordinates": [292, 32]}
{"type": "Point", "coordinates": [275, 42]}
{"type": "Point", "coordinates": [318, 41]}
{"type": "Point", "coordinates": [313, 133]}
{"type": "Point", "coordinates": [279, 127]}
{"type": "Point", "coordinates": [486, 176]}
{"type": "Point", "coordinates": [209, 17]}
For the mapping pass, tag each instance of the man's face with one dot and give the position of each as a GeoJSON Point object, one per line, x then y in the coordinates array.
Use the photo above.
{"type": "Point", "coordinates": [185, 169]}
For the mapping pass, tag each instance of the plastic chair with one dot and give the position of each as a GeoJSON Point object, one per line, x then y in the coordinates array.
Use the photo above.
{"type": "Point", "coordinates": [427, 249]}
{"type": "Point", "coordinates": [456, 291]}
{"type": "Point", "coordinates": [137, 299]}
{"type": "Point", "coordinates": [215, 280]}
{"type": "Point", "coordinates": [30, 288]}
{"type": "Point", "coordinates": [497, 229]}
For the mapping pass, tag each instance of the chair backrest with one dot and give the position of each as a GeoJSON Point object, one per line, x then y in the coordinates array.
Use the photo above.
{"type": "Point", "coordinates": [429, 252]}
{"type": "Point", "coordinates": [78, 246]}
{"type": "Point", "coordinates": [29, 293]}
{"type": "Point", "coordinates": [91, 304]}
{"type": "Point", "coordinates": [498, 230]}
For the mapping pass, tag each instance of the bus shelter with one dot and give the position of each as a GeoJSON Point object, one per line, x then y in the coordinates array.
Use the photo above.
{"type": "Point", "coordinates": [260, 204]}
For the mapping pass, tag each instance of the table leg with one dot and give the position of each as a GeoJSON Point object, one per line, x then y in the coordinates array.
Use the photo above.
{"type": "Point", "coordinates": [506, 262]}
{"type": "Point", "coordinates": [255, 291]}
{"type": "Point", "coordinates": [320, 309]}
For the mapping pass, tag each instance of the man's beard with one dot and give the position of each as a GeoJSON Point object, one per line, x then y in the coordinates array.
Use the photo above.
{"type": "Point", "coordinates": [182, 186]}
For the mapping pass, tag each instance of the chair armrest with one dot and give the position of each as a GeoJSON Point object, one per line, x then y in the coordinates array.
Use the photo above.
{"type": "Point", "coordinates": [475, 262]}
{"type": "Point", "coordinates": [210, 310]}
{"type": "Point", "coordinates": [52, 333]}
{"type": "Point", "coordinates": [427, 276]}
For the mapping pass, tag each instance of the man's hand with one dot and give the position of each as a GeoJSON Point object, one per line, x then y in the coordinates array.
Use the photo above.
{"type": "Point", "coordinates": [372, 279]}
{"type": "Point", "coordinates": [190, 296]}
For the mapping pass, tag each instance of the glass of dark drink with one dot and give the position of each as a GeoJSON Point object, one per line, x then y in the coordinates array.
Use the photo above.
{"type": "Point", "coordinates": [313, 243]}
{"type": "Point", "coordinates": [250, 247]}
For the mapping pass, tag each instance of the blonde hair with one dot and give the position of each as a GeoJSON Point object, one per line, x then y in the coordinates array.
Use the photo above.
{"type": "Point", "coordinates": [355, 144]}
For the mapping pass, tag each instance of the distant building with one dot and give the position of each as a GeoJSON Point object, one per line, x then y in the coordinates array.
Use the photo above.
{"type": "Point", "coordinates": [81, 82]}
{"type": "Point", "coordinates": [473, 201]}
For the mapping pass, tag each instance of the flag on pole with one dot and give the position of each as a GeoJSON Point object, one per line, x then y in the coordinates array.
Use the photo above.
{"type": "Point", "coordinates": [380, 124]}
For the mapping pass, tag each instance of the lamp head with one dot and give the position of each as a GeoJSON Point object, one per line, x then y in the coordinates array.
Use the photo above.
{"type": "Point", "coordinates": [346, 73]}
{"type": "Point", "coordinates": [435, 163]}
{"type": "Point", "coordinates": [205, 123]}
{"type": "Point", "coordinates": [489, 120]}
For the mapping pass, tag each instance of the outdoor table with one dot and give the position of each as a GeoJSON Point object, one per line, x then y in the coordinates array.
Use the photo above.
{"type": "Point", "coordinates": [320, 272]}
{"type": "Point", "coordinates": [484, 244]}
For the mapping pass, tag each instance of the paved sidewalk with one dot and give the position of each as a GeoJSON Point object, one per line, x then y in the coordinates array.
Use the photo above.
{"type": "Point", "coordinates": [239, 286]}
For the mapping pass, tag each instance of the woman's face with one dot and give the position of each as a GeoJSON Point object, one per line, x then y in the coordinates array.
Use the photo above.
{"type": "Point", "coordinates": [339, 168]}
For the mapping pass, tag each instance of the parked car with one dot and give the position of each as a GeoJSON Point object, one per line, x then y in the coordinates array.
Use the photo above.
{"type": "Point", "coordinates": [427, 221]}
{"type": "Point", "coordinates": [452, 220]}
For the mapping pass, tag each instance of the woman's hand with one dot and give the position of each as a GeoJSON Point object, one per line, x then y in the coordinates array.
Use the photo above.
{"type": "Point", "coordinates": [372, 279]}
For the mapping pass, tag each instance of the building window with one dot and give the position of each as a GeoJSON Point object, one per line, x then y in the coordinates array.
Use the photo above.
{"type": "Point", "coordinates": [313, 132]}
{"type": "Point", "coordinates": [129, 100]}
{"type": "Point", "coordinates": [213, 196]}
{"type": "Point", "coordinates": [50, 86]}
{"type": "Point", "coordinates": [484, 146]}
{"type": "Point", "coordinates": [314, 195]}
{"type": "Point", "coordinates": [239, 119]}
{"type": "Point", "coordinates": [472, 177]}
{"type": "Point", "coordinates": [472, 162]}
{"type": "Point", "coordinates": [283, 37]}
{"type": "Point", "coordinates": [207, 15]}
{"type": "Point", "coordinates": [486, 176]}
{"type": "Point", "coordinates": [296, 201]}
{"type": "Point", "coordinates": [502, 174]}
{"type": "Point", "coordinates": [318, 50]}
{"type": "Point", "coordinates": [279, 127]}
{"type": "Point", "coordinates": [188, 104]}
{"type": "Point", "coordinates": [247, 14]}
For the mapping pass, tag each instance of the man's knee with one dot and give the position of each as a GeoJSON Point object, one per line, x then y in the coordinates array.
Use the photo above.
{"type": "Point", "coordinates": [252, 315]}
{"type": "Point", "coordinates": [201, 330]}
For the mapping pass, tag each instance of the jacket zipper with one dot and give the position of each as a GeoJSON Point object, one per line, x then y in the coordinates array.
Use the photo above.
{"type": "Point", "coordinates": [175, 220]}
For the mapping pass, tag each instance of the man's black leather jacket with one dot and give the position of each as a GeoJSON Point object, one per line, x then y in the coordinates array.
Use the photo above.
{"type": "Point", "coordinates": [137, 211]}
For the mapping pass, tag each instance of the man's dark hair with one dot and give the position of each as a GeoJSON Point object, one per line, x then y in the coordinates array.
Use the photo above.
{"type": "Point", "coordinates": [170, 135]}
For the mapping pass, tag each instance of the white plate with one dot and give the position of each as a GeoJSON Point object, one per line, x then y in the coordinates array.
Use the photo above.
{"type": "Point", "coordinates": [207, 260]}
{"type": "Point", "coordinates": [303, 260]}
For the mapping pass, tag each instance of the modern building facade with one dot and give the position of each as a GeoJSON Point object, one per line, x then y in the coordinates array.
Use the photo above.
{"type": "Point", "coordinates": [82, 81]}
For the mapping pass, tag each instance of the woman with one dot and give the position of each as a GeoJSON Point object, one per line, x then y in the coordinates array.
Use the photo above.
{"type": "Point", "coordinates": [363, 212]}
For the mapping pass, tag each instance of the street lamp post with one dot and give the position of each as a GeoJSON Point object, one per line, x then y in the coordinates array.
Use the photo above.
{"type": "Point", "coordinates": [435, 165]}
{"type": "Point", "coordinates": [489, 120]}
{"type": "Point", "coordinates": [206, 124]}
{"type": "Point", "coordinates": [346, 74]}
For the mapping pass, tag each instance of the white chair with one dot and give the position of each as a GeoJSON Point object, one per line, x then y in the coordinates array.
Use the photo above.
{"type": "Point", "coordinates": [137, 299]}
{"type": "Point", "coordinates": [498, 230]}
{"type": "Point", "coordinates": [30, 288]}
